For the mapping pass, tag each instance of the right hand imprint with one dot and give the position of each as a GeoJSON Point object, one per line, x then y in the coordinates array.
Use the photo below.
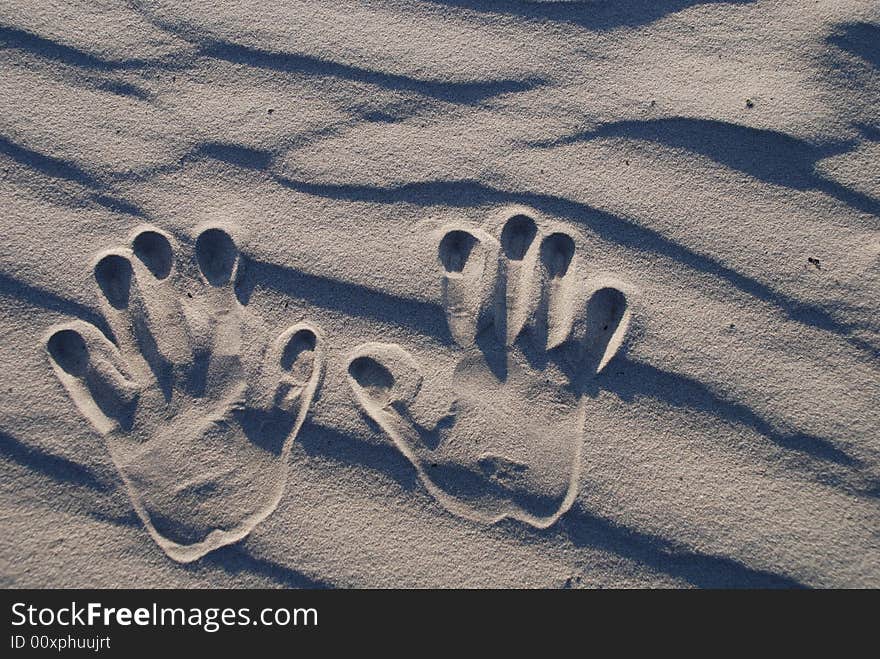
{"type": "Point", "coordinates": [531, 343]}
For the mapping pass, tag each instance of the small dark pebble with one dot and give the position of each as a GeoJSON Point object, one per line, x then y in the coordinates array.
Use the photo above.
{"type": "Point", "coordinates": [750, 103]}
{"type": "Point", "coordinates": [570, 582]}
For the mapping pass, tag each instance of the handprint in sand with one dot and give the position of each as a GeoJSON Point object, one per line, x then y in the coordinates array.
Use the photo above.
{"type": "Point", "coordinates": [532, 337]}
{"type": "Point", "coordinates": [197, 403]}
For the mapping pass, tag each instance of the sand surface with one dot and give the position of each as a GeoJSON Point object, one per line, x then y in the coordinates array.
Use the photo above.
{"type": "Point", "coordinates": [440, 293]}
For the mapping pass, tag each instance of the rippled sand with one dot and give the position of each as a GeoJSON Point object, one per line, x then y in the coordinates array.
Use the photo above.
{"type": "Point", "coordinates": [440, 293]}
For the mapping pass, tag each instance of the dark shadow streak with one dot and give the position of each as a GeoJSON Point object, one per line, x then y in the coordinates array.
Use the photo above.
{"type": "Point", "coordinates": [234, 154]}
{"type": "Point", "coordinates": [347, 298]}
{"type": "Point", "coordinates": [90, 66]}
{"type": "Point", "coordinates": [129, 520]}
{"type": "Point", "coordinates": [10, 287]}
{"type": "Point", "coordinates": [585, 529]}
{"type": "Point", "coordinates": [871, 133]}
{"type": "Point", "coordinates": [68, 171]}
{"type": "Point", "coordinates": [589, 15]}
{"type": "Point", "coordinates": [14, 38]}
{"type": "Point", "coordinates": [465, 193]}
{"type": "Point", "coordinates": [329, 443]}
{"type": "Point", "coordinates": [208, 45]}
{"type": "Point", "coordinates": [467, 93]}
{"type": "Point", "coordinates": [860, 39]}
{"type": "Point", "coordinates": [234, 559]}
{"type": "Point", "coordinates": [60, 472]}
{"type": "Point", "coordinates": [767, 155]}
{"type": "Point", "coordinates": [55, 467]}
{"type": "Point", "coordinates": [49, 165]}
{"type": "Point", "coordinates": [631, 379]}
{"type": "Point", "coordinates": [121, 89]}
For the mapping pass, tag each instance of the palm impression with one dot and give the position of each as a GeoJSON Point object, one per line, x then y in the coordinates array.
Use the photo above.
{"type": "Point", "coordinates": [531, 339]}
{"type": "Point", "coordinates": [198, 405]}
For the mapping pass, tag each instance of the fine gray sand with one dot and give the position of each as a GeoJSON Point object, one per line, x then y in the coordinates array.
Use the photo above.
{"type": "Point", "coordinates": [476, 293]}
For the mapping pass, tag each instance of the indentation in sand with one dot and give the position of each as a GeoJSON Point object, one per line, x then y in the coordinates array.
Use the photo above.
{"type": "Point", "coordinates": [510, 443]}
{"type": "Point", "coordinates": [197, 406]}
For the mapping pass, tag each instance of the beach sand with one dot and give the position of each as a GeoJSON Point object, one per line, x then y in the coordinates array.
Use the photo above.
{"type": "Point", "coordinates": [451, 293]}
